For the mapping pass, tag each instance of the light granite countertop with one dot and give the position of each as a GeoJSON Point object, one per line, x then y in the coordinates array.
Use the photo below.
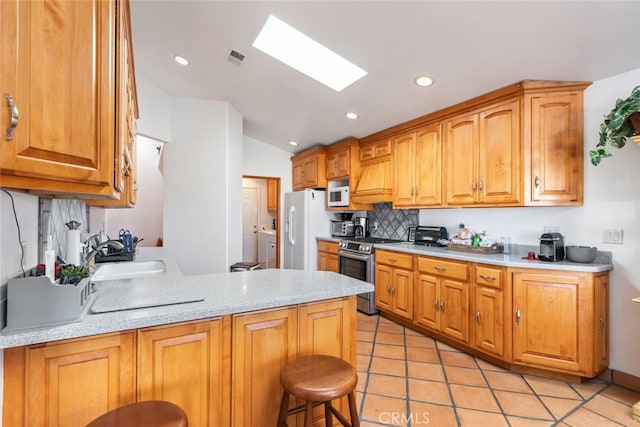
{"type": "Point", "coordinates": [603, 260]}
{"type": "Point", "coordinates": [219, 294]}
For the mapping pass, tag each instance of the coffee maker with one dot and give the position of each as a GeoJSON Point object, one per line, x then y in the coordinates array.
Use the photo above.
{"type": "Point", "coordinates": [361, 226]}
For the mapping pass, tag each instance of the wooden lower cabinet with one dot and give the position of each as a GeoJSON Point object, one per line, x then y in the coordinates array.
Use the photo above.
{"type": "Point", "coordinates": [223, 371]}
{"type": "Point", "coordinates": [68, 383]}
{"type": "Point", "coordinates": [264, 341]}
{"type": "Point", "coordinates": [328, 256]}
{"type": "Point", "coordinates": [394, 283]}
{"type": "Point", "coordinates": [188, 364]}
{"type": "Point", "coordinates": [556, 321]}
{"type": "Point", "coordinates": [442, 297]}
{"type": "Point", "coordinates": [491, 317]}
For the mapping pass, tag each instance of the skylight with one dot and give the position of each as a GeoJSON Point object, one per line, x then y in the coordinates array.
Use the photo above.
{"type": "Point", "coordinates": [295, 49]}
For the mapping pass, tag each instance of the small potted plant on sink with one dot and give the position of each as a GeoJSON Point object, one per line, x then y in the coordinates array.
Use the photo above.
{"type": "Point", "coordinates": [73, 274]}
{"type": "Point", "coordinates": [620, 126]}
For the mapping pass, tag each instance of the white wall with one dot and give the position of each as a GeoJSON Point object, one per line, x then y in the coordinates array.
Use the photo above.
{"type": "Point", "coordinates": [612, 200]}
{"type": "Point", "coordinates": [154, 108]}
{"type": "Point", "coordinates": [201, 228]}
{"type": "Point", "coordinates": [144, 220]}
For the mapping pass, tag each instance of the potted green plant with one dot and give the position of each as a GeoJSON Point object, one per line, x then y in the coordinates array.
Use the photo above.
{"type": "Point", "coordinates": [73, 274]}
{"type": "Point", "coordinates": [619, 126]}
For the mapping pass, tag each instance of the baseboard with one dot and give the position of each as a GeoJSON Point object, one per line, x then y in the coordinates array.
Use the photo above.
{"type": "Point", "coordinates": [625, 380]}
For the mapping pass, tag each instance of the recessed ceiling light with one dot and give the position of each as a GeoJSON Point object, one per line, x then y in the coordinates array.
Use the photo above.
{"type": "Point", "coordinates": [297, 50]}
{"type": "Point", "coordinates": [351, 115]}
{"type": "Point", "coordinates": [181, 60]}
{"type": "Point", "coordinates": [295, 144]}
{"type": "Point", "coordinates": [424, 81]}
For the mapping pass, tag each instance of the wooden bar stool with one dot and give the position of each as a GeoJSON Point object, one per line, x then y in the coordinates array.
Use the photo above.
{"type": "Point", "coordinates": [152, 413]}
{"type": "Point", "coordinates": [318, 379]}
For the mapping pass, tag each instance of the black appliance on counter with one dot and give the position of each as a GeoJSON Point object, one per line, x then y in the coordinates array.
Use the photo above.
{"type": "Point", "coordinates": [356, 258]}
{"type": "Point", "coordinates": [428, 235]}
{"type": "Point", "coordinates": [551, 247]}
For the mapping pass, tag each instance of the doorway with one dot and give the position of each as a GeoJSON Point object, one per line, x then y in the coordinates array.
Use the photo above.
{"type": "Point", "coordinates": [261, 220]}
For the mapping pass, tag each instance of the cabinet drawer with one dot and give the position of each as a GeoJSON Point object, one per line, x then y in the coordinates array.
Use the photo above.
{"type": "Point", "coordinates": [489, 276]}
{"type": "Point", "coordinates": [324, 246]}
{"type": "Point", "coordinates": [454, 270]}
{"type": "Point", "coordinates": [394, 259]}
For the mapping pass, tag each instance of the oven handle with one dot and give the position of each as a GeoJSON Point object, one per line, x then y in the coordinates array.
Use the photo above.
{"type": "Point", "coordinates": [351, 255]}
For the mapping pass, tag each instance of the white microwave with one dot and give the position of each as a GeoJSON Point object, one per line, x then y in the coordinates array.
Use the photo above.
{"type": "Point", "coordinates": [338, 196]}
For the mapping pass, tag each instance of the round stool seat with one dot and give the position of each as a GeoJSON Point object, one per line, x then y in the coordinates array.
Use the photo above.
{"type": "Point", "coordinates": [153, 413]}
{"type": "Point", "coordinates": [318, 377]}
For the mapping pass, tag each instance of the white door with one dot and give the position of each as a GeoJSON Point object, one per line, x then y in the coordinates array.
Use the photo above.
{"type": "Point", "coordinates": [249, 224]}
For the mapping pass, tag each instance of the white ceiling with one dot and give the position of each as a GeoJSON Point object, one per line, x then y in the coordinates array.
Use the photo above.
{"type": "Point", "coordinates": [469, 47]}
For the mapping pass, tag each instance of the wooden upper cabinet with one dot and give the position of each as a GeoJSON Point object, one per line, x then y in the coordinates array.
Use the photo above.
{"type": "Point", "coordinates": [483, 157]}
{"type": "Point", "coordinates": [555, 169]}
{"type": "Point", "coordinates": [417, 160]}
{"type": "Point", "coordinates": [309, 169]}
{"type": "Point", "coordinates": [339, 164]}
{"type": "Point", "coordinates": [272, 194]}
{"type": "Point", "coordinates": [126, 115]}
{"type": "Point", "coordinates": [58, 63]}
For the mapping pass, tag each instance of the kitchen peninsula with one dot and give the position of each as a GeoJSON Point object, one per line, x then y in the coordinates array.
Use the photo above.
{"type": "Point", "coordinates": [219, 357]}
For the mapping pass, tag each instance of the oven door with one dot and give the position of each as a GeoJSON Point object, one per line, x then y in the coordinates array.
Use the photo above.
{"type": "Point", "coordinates": [359, 266]}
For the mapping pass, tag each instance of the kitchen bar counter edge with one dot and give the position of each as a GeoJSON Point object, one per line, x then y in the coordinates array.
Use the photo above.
{"type": "Point", "coordinates": [224, 293]}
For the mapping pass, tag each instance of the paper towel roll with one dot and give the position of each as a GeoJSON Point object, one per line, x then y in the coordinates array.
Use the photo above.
{"type": "Point", "coordinates": [73, 247]}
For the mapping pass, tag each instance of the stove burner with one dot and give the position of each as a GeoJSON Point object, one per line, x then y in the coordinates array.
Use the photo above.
{"type": "Point", "coordinates": [376, 240]}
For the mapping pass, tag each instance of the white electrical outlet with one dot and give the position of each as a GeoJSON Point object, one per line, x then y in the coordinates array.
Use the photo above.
{"type": "Point", "coordinates": [613, 235]}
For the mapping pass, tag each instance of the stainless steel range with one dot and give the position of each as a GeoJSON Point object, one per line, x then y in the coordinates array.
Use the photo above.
{"type": "Point", "coordinates": [356, 259]}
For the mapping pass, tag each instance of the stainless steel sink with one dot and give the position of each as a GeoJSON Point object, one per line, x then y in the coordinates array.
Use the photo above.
{"type": "Point", "coordinates": [128, 270]}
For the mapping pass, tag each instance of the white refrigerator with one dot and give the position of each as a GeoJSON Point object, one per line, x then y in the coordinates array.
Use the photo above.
{"type": "Point", "coordinates": [304, 219]}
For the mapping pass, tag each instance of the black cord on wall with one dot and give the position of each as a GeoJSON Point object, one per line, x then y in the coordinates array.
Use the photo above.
{"type": "Point", "coordinates": [15, 215]}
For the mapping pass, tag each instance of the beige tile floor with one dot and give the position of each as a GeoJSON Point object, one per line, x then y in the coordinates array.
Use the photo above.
{"type": "Point", "coordinates": [407, 379]}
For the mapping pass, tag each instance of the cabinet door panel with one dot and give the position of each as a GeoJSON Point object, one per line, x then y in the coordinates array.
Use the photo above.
{"type": "Point", "coordinates": [489, 321]}
{"type": "Point", "coordinates": [263, 342]}
{"type": "Point", "coordinates": [198, 387]}
{"type": "Point", "coordinates": [427, 302]}
{"type": "Point", "coordinates": [383, 283]}
{"type": "Point", "coordinates": [66, 96]}
{"type": "Point", "coordinates": [428, 166]}
{"type": "Point", "coordinates": [602, 322]}
{"type": "Point", "coordinates": [548, 320]}
{"type": "Point", "coordinates": [403, 293]}
{"type": "Point", "coordinates": [499, 154]}
{"type": "Point", "coordinates": [74, 382]}
{"type": "Point", "coordinates": [454, 309]}
{"type": "Point", "coordinates": [404, 159]}
{"type": "Point", "coordinates": [461, 154]}
{"type": "Point", "coordinates": [556, 148]}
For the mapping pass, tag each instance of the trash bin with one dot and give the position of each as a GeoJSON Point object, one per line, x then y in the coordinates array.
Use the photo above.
{"type": "Point", "coordinates": [245, 266]}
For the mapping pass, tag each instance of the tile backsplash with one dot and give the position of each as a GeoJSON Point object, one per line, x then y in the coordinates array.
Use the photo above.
{"type": "Point", "coordinates": [392, 223]}
{"type": "Point", "coordinates": [54, 214]}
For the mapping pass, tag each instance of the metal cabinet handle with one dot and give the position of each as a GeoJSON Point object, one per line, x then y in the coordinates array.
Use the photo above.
{"type": "Point", "coordinates": [442, 305]}
{"type": "Point", "coordinates": [536, 181]}
{"type": "Point", "coordinates": [474, 185]}
{"type": "Point", "coordinates": [437, 305]}
{"type": "Point", "coordinates": [478, 317]}
{"type": "Point", "coordinates": [601, 321]}
{"type": "Point", "coordinates": [488, 278]}
{"type": "Point", "coordinates": [481, 186]}
{"type": "Point", "coordinates": [14, 117]}
{"type": "Point", "coordinates": [440, 269]}
{"type": "Point", "coordinates": [518, 316]}
{"type": "Point", "coordinates": [392, 259]}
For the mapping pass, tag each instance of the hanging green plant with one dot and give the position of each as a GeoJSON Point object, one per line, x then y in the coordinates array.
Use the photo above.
{"type": "Point", "coordinates": [622, 123]}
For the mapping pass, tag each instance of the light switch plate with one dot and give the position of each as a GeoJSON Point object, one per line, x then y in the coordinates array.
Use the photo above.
{"type": "Point", "coordinates": [613, 235]}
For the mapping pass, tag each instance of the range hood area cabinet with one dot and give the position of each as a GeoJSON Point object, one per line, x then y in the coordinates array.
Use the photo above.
{"type": "Point", "coordinates": [44, 155]}
{"type": "Point", "coordinates": [343, 166]}
{"type": "Point", "coordinates": [375, 184]}
{"type": "Point", "coordinates": [309, 169]}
